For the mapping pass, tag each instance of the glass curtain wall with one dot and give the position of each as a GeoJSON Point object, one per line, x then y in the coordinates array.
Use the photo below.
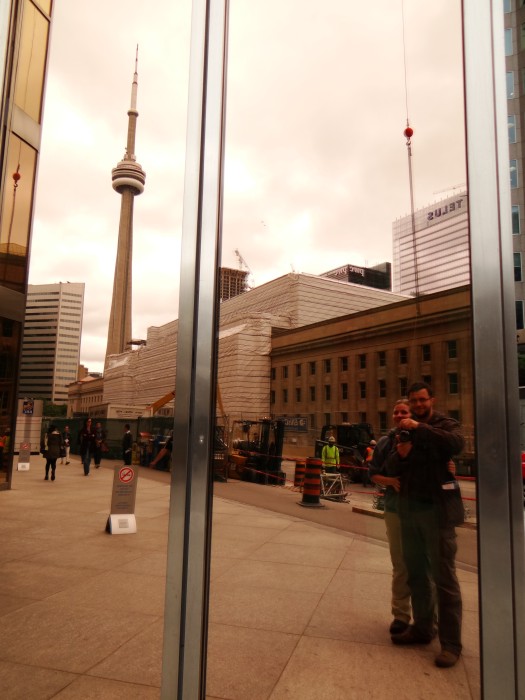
{"type": "Point", "coordinates": [308, 176]}
{"type": "Point", "coordinates": [25, 33]}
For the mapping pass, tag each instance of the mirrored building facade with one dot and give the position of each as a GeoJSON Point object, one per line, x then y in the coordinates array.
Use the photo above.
{"type": "Point", "coordinates": [24, 41]}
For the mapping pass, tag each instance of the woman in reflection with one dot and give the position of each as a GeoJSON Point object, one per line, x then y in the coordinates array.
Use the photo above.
{"type": "Point", "coordinates": [52, 445]}
{"type": "Point", "coordinates": [401, 608]}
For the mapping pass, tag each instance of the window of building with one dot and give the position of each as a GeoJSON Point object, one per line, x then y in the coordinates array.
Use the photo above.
{"type": "Point", "coordinates": [344, 417]}
{"type": "Point", "coordinates": [383, 421]}
{"type": "Point", "coordinates": [522, 37]}
{"type": "Point", "coordinates": [298, 370]}
{"type": "Point", "coordinates": [517, 267]}
{"type": "Point", "coordinates": [510, 85]}
{"type": "Point", "coordinates": [516, 228]}
{"type": "Point", "coordinates": [312, 393]}
{"type": "Point", "coordinates": [511, 122]}
{"type": "Point", "coordinates": [452, 349]}
{"type": "Point", "coordinates": [403, 356]}
{"type": "Point", "coordinates": [382, 388]}
{"type": "Point", "coordinates": [298, 395]}
{"type": "Point", "coordinates": [284, 371]}
{"type": "Point", "coordinates": [327, 392]}
{"type": "Point", "coordinates": [403, 386]}
{"type": "Point", "coordinates": [272, 396]}
{"type": "Point", "coordinates": [344, 391]}
{"type": "Point", "coordinates": [343, 364]}
{"type": "Point", "coordinates": [453, 383]}
{"type": "Point", "coordinates": [362, 417]}
{"type": "Point", "coordinates": [519, 315]}
{"type": "Point", "coordinates": [361, 361]}
{"type": "Point", "coordinates": [328, 366]}
{"type": "Point", "coordinates": [327, 418]}
{"type": "Point", "coordinates": [427, 378]}
{"type": "Point", "coordinates": [508, 41]}
{"type": "Point", "coordinates": [313, 426]}
{"type": "Point", "coordinates": [362, 390]}
{"type": "Point", "coordinates": [273, 373]}
{"type": "Point", "coordinates": [455, 415]}
{"type": "Point", "coordinates": [285, 395]}
{"type": "Point", "coordinates": [426, 354]}
{"type": "Point", "coordinates": [312, 368]}
{"type": "Point", "coordinates": [513, 174]}
{"type": "Point", "coordinates": [507, 6]}
{"type": "Point", "coordinates": [381, 358]}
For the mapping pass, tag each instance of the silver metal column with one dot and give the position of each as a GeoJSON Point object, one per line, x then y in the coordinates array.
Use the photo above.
{"type": "Point", "coordinates": [187, 581]}
{"type": "Point", "coordinates": [501, 539]}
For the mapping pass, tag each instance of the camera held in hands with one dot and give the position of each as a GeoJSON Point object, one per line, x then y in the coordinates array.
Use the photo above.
{"type": "Point", "coordinates": [404, 435]}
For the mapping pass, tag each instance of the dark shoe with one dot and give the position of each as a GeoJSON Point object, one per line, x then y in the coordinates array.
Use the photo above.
{"type": "Point", "coordinates": [411, 636]}
{"type": "Point", "coordinates": [46, 478]}
{"type": "Point", "coordinates": [53, 478]}
{"type": "Point", "coordinates": [446, 659]}
{"type": "Point", "coordinates": [67, 462]}
{"type": "Point", "coordinates": [97, 466]}
{"type": "Point", "coordinates": [398, 626]}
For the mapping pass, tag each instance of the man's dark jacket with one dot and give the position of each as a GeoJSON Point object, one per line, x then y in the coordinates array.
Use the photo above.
{"type": "Point", "coordinates": [425, 469]}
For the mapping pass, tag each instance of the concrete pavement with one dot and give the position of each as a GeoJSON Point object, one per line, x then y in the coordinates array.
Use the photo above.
{"type": "Point", "coordinates": [297, 609]}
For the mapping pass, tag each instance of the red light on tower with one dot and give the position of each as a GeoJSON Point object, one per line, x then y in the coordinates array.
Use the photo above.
{"type": "Point", "coordinates": [408, 132]}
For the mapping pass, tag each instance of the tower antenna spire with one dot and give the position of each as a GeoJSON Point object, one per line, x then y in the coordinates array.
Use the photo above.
{"type": "Point", "coordinates": [128, 180]}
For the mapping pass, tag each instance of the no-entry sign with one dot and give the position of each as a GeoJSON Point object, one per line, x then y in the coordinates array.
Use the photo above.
{"type": "Point", "coordinates": [126, 475]}
{"type": "Point", "coordinates": [124, 490]}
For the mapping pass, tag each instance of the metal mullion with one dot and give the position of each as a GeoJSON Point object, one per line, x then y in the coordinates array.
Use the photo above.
{"type": "Point", "coordinates": [187, 584]}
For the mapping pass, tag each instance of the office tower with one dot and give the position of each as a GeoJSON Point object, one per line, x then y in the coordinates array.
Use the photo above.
{"type": "Point", "coordinates": [51, 342]}
{"type": "Point", "coordinates": [431, 252]}
{"type": "Point", "coordinates": [379, 276]}
{"type": "Point", "coordinates": [515, 79]}
{"type": "Point", "coordinates": [24, 38]}
{"type": "Point", "coordinates": [128, 180]}
{"type": "Point", "coordinates": [232, 282]}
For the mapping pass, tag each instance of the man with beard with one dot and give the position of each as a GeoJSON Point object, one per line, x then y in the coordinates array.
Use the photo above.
{"type": "Point", "coordinates": [425, 444]}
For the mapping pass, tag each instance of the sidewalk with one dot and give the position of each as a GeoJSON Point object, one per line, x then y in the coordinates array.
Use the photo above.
{"type": "Point", "coordinates": [298, 610]}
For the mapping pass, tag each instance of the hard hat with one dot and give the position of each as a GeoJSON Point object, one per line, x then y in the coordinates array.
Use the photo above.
{"type": "Point", "coordinates": [331, 438]}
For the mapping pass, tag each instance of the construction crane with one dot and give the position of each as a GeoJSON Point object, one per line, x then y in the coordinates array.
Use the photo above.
{"type": "Point", "coordinates": [242, 262]}
{"type": "Point", "coordinates": [243, 265]}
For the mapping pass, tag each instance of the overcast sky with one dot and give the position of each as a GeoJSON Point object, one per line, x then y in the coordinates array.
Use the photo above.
{"type": "Point", "coordinates": [316, 161]}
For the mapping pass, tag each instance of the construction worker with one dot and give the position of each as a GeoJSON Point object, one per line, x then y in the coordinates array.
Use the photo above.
{"type": "Point", "coordinates": [368, 459]}
{"type": "Point", "coordinates": [330, 456]}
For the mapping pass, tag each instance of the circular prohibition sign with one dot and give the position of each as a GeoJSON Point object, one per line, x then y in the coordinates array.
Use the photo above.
{"type": "Point", "coordinates": [126, 475]}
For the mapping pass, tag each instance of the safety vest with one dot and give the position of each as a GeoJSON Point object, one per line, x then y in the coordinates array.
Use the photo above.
{"type": "Point", "coordinates": [330, 456]}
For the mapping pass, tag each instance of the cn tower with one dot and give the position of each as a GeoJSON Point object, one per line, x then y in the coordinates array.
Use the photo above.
{"type": "Point", "coordinates": [128, 180]}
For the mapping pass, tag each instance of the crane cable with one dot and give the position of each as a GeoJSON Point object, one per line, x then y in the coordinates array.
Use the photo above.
{"type": "Point", "coordinates": [408, 133]}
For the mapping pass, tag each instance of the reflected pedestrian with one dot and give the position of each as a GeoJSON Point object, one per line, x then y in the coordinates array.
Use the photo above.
{"type": "Point", "coordinates": [51, 450]}
{"type": "Point", "coordinates": [401, 609]}
{"type": "Point", "coordinates": [127, 445]}
{"type": "Point", "coordinates": [66, 438]}
{"type": "Point", "coordinates": [424, 446]}
{"type": "Point", "coordinates": [86, 441]}
{"type": "Point", "coordinates": [100, 436]}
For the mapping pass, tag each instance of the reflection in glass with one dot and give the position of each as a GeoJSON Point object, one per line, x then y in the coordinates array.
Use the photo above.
{"type": "Point", "coordinates": [10, 342]}
{"type": "Point", "coordinates": [16, 213]}
{"type": "Point", "coordinates": [302, 155]}
{"type": "Point", "coordinates": [31, 62]}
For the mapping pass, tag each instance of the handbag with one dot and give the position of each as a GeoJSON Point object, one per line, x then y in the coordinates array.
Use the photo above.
{"type": "Point", "coordinates": [62, 451]}
{"type": "Point", "coordinates": [452, 508]}
{"type": "Point", "coordinates": [103, 446]}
